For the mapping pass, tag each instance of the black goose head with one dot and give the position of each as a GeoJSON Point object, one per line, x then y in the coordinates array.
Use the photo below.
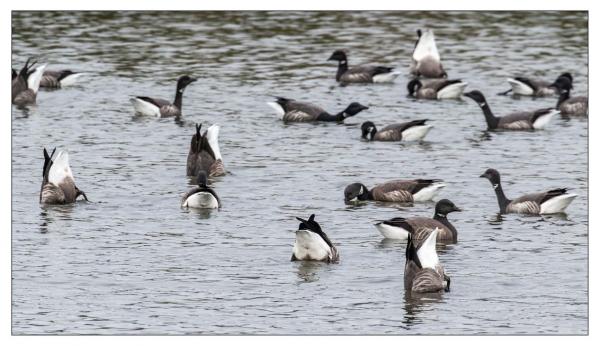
{"type": "Point", "coordinates": [477, 96]}
{"type": "Point", "coordinates": [368, 128]}
{"type": "Point", "coordinates": [413, 86]}
{"type": "Point", "coordinates": [339, 55]}
{"type": "Point", "coordinates": [354, 108]}
{"type": "Point", "coordinates": [445, 206]}
{"type": "Point", "coordinates": [202, 179]}
{"type": "Point", "coordinates": [493, 176]}
{"type": "Point", "coordinates": [563, 83]}
{"type": "Point", "coordinates": [356, 190]}
{"type": "Point", "coordinates": [567, 75]}
{"type": "Point", "coordinates": [183, 82]}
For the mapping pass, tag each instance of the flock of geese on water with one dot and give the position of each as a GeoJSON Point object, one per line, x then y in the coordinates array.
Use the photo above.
{"type": "Point", "coordinates": [423, 270]}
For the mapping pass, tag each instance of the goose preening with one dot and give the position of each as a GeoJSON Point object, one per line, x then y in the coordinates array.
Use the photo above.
{"type": "Point", "coordinates": [414, 130]}
{"type": "Point", "coordinates": [420, 227]}
{"type": "Point", "coordinates": [400, 191]}
{"type": "Point", "coordinates": [26, 83]}
{"type": "Point", "coordinates": [548, 202]}
{"type": "Point", "coordinates": [532, 87]}
{"type": "Point", "coordinates": [58, 184]}
{"type": "Point", "coordinates": [361, 74]}
{"type": "Point", "coordinates": [204, 154]}
{"type": "Point", "coordinates": [144, 105]}
{"type": "Point", "coordinates": [59, 78]}
{"type": "Point", "coordinates": [423, 272]}
{"type": "Point", "coordinates": [530, 120]}
{"type": "Point", "coordinates": [201, 197]}
{"type": "Point", "coordinates": [312, 244]}
{"type": "Point", "coordinates": [426, 59]}
{"type": "Point", "coordinates": [291, 110]}
{"type": "Point", "coordinates": [436, 89]}
{"type": "Point", "coordinates": [567, 105]}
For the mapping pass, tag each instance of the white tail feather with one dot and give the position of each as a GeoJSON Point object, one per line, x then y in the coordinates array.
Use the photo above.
{"type": "Point", "coordinates": [386, 77]}
{"type": "Point", "coordinates": [427, 193]}
{"type": "Point", "coordinates": [212, 135]}
{"type": "Point", "coordinates": [310, 245]}
{"type": "Point", "coordinates": [543, 120]}
{"type": "Point", "coordinates": [144, 108]}
{"type": "Point", "coordinates": [60, 169]}
{"type": "Point", "coordinates": [416, 133]}
{"type": "Point", "coordinates": [391, 232]}
{"type": "Point", "coordinates": [33, 82]}
{"type": "Point", "coordinates": [452, 91]}
{"type": "Point", "coordinates": [70, 79]}
{"type": "Point", "coordinates": [519, 88]}
{"type": "Point", "coordinates": [557, 204]}
{"type": "Point", "coordinates": [427, 253]}
{"type": "Point", "coordinates": [426, 46]}
{"type": "Point", "coordinates": [277, 107]}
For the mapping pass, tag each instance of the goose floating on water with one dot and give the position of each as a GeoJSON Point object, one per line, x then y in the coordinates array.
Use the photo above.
{"type": "Point", "coordinates": [294, 111]}
{"type": "Point", "coordinates": [532, 87]}
{"type": "Point", "coordinates": [423, 272]}
{"type": "Point", "coordinates": [530, 120]}
{"type": "Point", "coordinates": [567, 105]}
{"type": "Point", "coordinates": [426, 58]}
{"type": "Point", "coordinates": [400, 191]}
{"type": "Point", "coordinates": [436, 89]}
{"type": "Point", "coordinates": [420, 227]}
{"type": "Point", "coordinates": [204, 154]}
{"type": "Point", "coordinates": [361, 74]}
{"type": "Point", "coordinates": [201, 197]}
{"type": "Point", "coordinates": [58, 184]}
{"type": "Point", "coordinates": [312, 244]}
{"type": "Point", "coordinates": [548, 202]}
{"type": "Point", "coordinates": [26, 83]}
{"type": "Point", "coordinates": [414, 130]}
{"type": "Point", "coordinates": [144, 105]}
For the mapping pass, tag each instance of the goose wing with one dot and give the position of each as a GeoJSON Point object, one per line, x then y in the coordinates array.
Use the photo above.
{"type": "Point", "coordinates": [364, 74]}
{"type": "Point", "coordinates": [301, 111]}
{"type": "Point", "coordinates": [157, 102]}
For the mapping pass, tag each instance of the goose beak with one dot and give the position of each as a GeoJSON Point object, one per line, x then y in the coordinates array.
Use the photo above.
{"type": "Point", "coordinates": [457, 209]}
{"type": "Point", "coordinates": [364, 107]}
{"type": "Point", "coordinates": [483, 176]}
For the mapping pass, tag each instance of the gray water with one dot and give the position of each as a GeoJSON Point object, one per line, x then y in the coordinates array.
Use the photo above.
{"type": "Point", "coordinates": [131, 261]}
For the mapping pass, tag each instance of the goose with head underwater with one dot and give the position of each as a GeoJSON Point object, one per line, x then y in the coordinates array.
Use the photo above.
{"type": "Point", "coordinates": [532, 87]}
{"type": "Point", "coordinates": [414, 130]}
{"type": "Point", "coordinates": [362, 73]}
{"type": "Point", "coordinates": [201, 197]}
{"type": "Point", "coordinates": [420, 227]}
{"type": "Point", "coordinates": [291, 110]}
{"type": "Point", "coordinates": [58, 183]}
{"type": "Point", "coordinates": [399, 191]}
{"type": "Point", "coordinates": [547, 202]}
{"type": "Point", "coordinates": [144, 105]}
{"type": "Point", "coordinates": [26, 83]}
{"type": "Point", "coordinates": [426, 58]}
{"type": "Point", "coordinates": [567, 105]}
{"type": "Point", "coordinates": [423, 272]}
{"type": "Point", "coordinates": [204, 154]}
{"type": "Point", "coordinates": [518, 121]}
{"type": "Point", "coordinates": [436, 89]}
{"type": "Point", "coordinates": [312, 244]}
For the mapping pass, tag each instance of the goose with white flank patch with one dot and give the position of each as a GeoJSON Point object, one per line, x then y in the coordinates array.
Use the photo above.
{"type": "Point", "coordinates": [531, 120]}
{"type": "Point", "coordinates": [54, 79]}
{"type": "Point", "coordinates": [58, 184]}
{"type": "Point", "coordinates": [290, 110]}
{"type": "Point", "coordinates": [361, 74]}
{"type": "Point", "coordinates": [204, 154]}
{"type": "Point", "coordinates": [531, 87]}
{"type": "Point", "coordinates": [312, 244]}
{"type": "Point", "coordinates": [26, 83]}
{"type": "Point", "coordinates": [399, 191]}
{"type": "Point", "coordinates": [201, 197]}
{"type": "Point", "coordinates": [548, 202]}
{"type": "Point", "coordinates": [567, 105]}
{"type": "Point", "coordinates": [420, 227]}
{"type": "Point", "coordinates": [414, 130]}
{"type": "Point", "coordinates": [144, 105]}
{"type": "Point", "coordinates": [426, 58]}
{"type": "Point", "coordinates": [436, 89]}
{"type": "Point", "coordinates": [423, 272]}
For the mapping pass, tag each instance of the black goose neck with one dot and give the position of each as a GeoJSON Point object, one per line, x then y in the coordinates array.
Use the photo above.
{"type": "Point", "coordinates": [342, 68]}
{"type": "Point", "coordinates": [563, 97]}
{"type": "Point", "coordinates": [178, 98]}
{"type": "Point", "coordinates": [502, 200]}
{"type": "Point", "coordinates": [492, 121]}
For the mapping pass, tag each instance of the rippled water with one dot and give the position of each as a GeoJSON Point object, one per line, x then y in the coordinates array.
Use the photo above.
{"type": "Point", "coordinates": [132, 262]}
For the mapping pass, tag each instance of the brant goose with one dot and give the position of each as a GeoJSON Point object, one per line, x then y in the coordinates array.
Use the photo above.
{"type": "Point", "coordinates": [426, 59]}
{"type": "Point", "coordinates": [362, 73]}
{"type": "Point", "coordinates": [436, 89]}
{"type": "Point", "coordinates": [548, 202]}
{"type": "Point", "coordinates": [532, 120]}
{"type": "Point", "coordinates": [423, 272]}
{"type": "Point", "coordinates": [204, 154]}
{"type": "Point", "coordinates": [312, 244]}
{"type": "Point", "coordinates": [293, 111]}
{"type": "Point", "coordinates": [58, 184]}
{"type": "Point", "coordinates": [567, 105]}
{"type": "Point", "coordinates": [59, 79]}
{"type": "Point", "coordinates": [414, 130]}
{"type": "Point", "coordinates": [417, 190]}
{"type": "Point", "coordinates": [420, 227]}
{"type": "Point", "coordinates": [26, 83]}
{"type": "Point", "coordinates": [201, 197]}
{"type": "Point", "coordinates": [158, 107]}
{"type": "Point", "coordinates": [531, 87]}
